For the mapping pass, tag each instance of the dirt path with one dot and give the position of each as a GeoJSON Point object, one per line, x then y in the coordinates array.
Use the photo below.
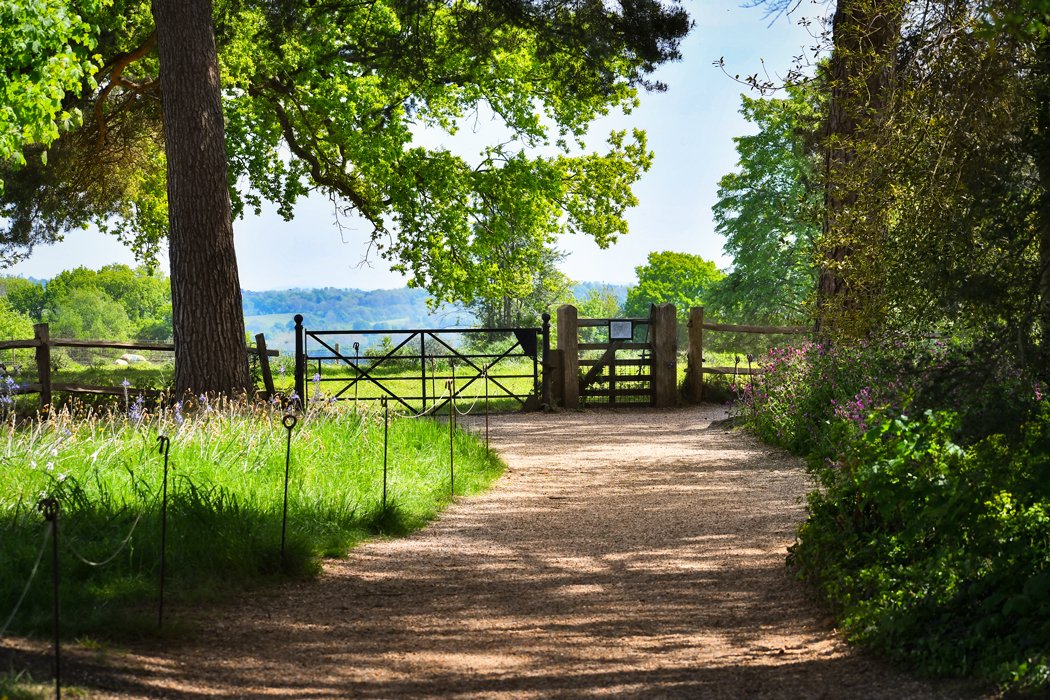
{"type": "Point", "coordinates": [632, 553]}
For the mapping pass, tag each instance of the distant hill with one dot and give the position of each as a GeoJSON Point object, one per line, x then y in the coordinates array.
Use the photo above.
{"type": "Point", "coordinates": [329, 308]}
{"type": "Point", "coordinates": [581, 289]}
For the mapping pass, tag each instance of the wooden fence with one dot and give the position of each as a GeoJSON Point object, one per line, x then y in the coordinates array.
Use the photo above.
{"type": "Point", "coordinates": [42, 342]}
{"type": "Point", "coordinates": [694, 378]}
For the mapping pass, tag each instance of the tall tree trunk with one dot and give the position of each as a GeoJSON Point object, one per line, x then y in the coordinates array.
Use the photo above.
{"type": "Point", "coordinates": [206, 293]}
{"type": "Point", "coordinates": [1042, 160]}
{"type": "Point", "coordinates": [861, 77]}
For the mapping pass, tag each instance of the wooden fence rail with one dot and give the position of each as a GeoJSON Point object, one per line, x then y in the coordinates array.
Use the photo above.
{"type": "Point", "coordinates": [694, 377]}
{"type": "Point", "coordinates": [42, 342]}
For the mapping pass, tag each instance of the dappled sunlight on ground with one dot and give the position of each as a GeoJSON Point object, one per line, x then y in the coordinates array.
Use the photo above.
{"type": "Point", "coordinates": [635, 552]}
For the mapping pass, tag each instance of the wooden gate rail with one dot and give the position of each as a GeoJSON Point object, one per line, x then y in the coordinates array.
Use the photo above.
{"type": "Point", "coordinates": [42, 342]}
{"type": "Point", "coordinates": [694, 378]}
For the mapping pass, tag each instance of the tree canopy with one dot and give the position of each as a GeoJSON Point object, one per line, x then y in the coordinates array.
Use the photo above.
{"type": "Point", "coordinates": [112, 303]}
{"type": "Point", "coordinates": [12, 323]}
{"type": "Point", "coordinates": [682, 279]}
{"type": "Point", "coordinates": [46, 54]}
{"type": "Point", "coordinates": [333, 95]}
{"type": "Point", "coordinates": [769, 212]}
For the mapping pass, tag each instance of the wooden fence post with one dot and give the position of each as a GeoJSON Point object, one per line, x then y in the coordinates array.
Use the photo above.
{"type": "Point", "coordinates": [264, 365]}
{"type": "Point", "coordinates": [557, 378]}
{"type": "Point", "coordinates": [42, 335]}
{"type": "Point", "coordinates": [663, 325]}
{"type": "Point", "coordinates": [568, 344]}
{"type": "Point", "coordinates": [694, 373]}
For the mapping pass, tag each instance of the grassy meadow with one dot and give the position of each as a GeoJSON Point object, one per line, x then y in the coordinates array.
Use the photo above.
{"type": "Point", "coordinates": [225, 501]}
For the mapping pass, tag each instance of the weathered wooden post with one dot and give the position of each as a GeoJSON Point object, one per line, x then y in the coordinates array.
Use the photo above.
{"type": "Point", "coordinates": [264, 365]}
{"type": "Point", "coordinates": [694, 373]}
{"type": "Point", "coordinates": [42, 335]}
{"type": "Point", "coordinates": [665, 355]}
{"type": "Point", "coordinates": [568, 344]}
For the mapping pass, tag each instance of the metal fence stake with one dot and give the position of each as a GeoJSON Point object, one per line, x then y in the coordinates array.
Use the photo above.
{"type": "Point", "coordinates": [451, 439]}
{"type": "Point", "coordinates": [487, 406]}
{"type": "Point", "coordinates": [357, 369]}
{"type": "Point", "coordinates": [288, 422]}
{"type": "Point", "coordinates": [49, 508]}
{"type": "Point", "coordinates": [164, 445]}
{"type": "Point", "coordinates": [386, 443]}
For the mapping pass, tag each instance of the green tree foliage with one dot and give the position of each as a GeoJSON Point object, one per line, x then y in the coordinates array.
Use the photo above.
{"type": "Point", "coordinates": [963, 251]}
{"type": "Point", "coordinates": [90, 314]}
{"type": "Point", "coordinates": [144, 298]}
{"type": "Point", "coordinates": [681, 279]}
{"type": "Point", "coordinates": [25, 296]}
{"type": "Point", "coordinates": [46, 55]}
{"type": "Point", "coordinates": [860, 79]}
{"type": "Point", "coordinates": [769, 212]}
{"type": "Point", "coordinates": [952, 165]}
{"type": "Point", "coordinates": [598, 302]}
{"type": "Point", "coordinates": [528, 304]}
{"type": "Point", "coordinates": [14, 325]}
{"type": "Point", "coordinates": [332, 96]}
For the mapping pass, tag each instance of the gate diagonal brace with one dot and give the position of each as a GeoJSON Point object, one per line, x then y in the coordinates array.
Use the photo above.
{"type": "Point", "coordinates": [603, 362]}
{"type": "Point", "coordinates": [339, 356]}
{"type": "Point", "coordinates": [480, 371]}
{"type": "Point", "coordinates": [366, 373]}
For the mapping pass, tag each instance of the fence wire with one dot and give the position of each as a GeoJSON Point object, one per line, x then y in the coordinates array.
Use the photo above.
{"type": "Point", "coordinates": [109, 559]}
{"type": "Point", "coordinates": [25, 591]}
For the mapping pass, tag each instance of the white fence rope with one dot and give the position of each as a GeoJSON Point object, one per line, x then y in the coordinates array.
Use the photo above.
{"type": "Point", "coordinates": [21, 598]}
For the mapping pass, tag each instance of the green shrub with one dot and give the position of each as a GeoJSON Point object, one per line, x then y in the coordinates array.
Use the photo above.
{"type": "Point", "coordinates": [936, 553]}
{"type": "Point", "coordinates": [930, 535]}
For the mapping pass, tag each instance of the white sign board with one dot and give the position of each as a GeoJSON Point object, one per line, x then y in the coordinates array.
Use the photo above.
{"type": "Point", "coordinates": [621, 330]}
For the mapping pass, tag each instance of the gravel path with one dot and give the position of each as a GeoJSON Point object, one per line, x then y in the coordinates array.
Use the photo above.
{"type": "Point", "coordinates": [628, 553]}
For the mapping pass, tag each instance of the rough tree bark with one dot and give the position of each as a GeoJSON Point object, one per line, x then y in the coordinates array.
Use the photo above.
{"type": "Point", "coordinates": [206, 294]}
{"type": "Point", "coordinates": [861, 76]}
{"type": "Point", "coordinates": [1042, 160]}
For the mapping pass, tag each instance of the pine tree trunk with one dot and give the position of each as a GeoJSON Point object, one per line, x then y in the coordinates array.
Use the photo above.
{"type": "Point", "coordinates": [1042, 160]}
{"type": "Point", "coordinates": [210, 349]}
{"type": "Point", "coordinates": [861, 77]}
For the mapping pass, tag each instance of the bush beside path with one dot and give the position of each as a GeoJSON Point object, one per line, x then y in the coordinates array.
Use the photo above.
{"type": "Point", "coordinates": [623, 553]}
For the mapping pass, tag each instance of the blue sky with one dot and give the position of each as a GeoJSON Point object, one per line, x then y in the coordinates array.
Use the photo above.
{"type": "Point", "coordinates": [690, 128]}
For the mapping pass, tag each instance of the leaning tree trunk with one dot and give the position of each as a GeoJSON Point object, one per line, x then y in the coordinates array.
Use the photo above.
{"type": "Point", "coordinates": [205, 289]}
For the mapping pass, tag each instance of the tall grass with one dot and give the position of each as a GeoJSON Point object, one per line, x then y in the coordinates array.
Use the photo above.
{"type": "Point", "coordinates": [226, 487]}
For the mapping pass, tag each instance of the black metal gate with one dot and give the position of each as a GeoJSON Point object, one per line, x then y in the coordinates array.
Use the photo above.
{"type": "Point", "coordinates": [423, 369]}
{"type": "Point", "coordinates": [616, 362]}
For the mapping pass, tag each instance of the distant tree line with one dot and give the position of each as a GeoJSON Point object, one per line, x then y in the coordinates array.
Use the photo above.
{"type": "Point", "coordinates": [116, 302]}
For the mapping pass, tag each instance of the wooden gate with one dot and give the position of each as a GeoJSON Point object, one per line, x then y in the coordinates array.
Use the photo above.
{"type": "Point", "coordinates": [616, 368]}
{"type": "Point", "coordinates": [617, 361]}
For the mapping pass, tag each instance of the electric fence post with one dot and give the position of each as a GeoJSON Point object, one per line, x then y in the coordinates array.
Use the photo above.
{"type": "Point", "coordinates": [386, 443]}
{"type": "Point", "coordinates": [288, 422]}
{"type": "Point", "coordinates": [164, 445]}
{"type": "Point", "coordinates": [49, 508]}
